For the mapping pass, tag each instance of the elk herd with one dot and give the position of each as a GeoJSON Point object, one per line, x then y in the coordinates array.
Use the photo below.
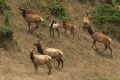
{"type": "Point", "coordinates": [47, 54]}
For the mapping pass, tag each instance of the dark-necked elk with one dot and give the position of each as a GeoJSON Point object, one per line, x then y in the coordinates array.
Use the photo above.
{"type": "Point", "coordinates": [40, 60]}
{"type": "Point", "coordinates": [97, 36]}
{"type": "Point", "coordinates": [31, 18]}
{"type": "Point", "coordinates": [70, 27]}
{"type": "Point", "coordinates": [54, 26]}
{"type": "Point", "coordinates": [52, 52]}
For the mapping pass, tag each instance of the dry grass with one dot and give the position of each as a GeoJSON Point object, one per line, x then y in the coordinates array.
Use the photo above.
{"type": "Point", "coordinates": [80, 62]}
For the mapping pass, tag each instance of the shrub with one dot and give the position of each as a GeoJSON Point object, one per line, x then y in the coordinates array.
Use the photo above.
{"type": "Point", "coordinates": [6, 34]}
{"type": "Point", "coordinates": [43, 23]}
{"type": "Point", "coordinates": [86, 1]}
{"type": "Point", "coordinates": [43, 4]}
{"type": "Point", "coordinates": [118, 2]}
{"type": "Point", "coordinates": [6, 16]}
{"type": "Point", "coordinates": [57, 9]}
{"type": "Point", "coordinates": [64, 18]}
{"type": "Point", "coordinates": [106, 13]}
{"type": "Point", "coordinates": [3, 6]}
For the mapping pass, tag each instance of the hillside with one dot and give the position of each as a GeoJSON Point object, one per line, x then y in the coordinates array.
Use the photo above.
{"type": "Point", "coordinates": [80, 62]}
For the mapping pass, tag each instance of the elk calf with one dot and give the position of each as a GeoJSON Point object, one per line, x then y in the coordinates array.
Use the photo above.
{"type": "Point", "coordinates": [68, 27]}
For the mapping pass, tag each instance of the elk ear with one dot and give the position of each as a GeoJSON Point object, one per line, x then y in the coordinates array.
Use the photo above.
{"type": "Point", "coordinates": [90, 25]}
{"type": "Point", "coordinates": [38, 41]}
{"type": "Point", "coordinates": [87, 12]}
{"type": "Point", "coordinates": [30, 50]}
{"type": "Point", "coordinates": [33, 49]}
{"type": "Point", "coordinates": [35, 44]}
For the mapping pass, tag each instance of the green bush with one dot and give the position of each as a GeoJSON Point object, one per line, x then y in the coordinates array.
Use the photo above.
{"type": "Point", "coordinates": [118, 2]}
{"type": "Point", "coordinates": [107, 15]}
{"type": "Point", "coordinates": [43, 23]}
{"type": "Point", "coordinates": [64, 18]}
{"type": "Point", "coordinates": [86, 1]}
{"type": "Point", "coordinates": [3, 6]}
{"type": "Point", "coordinates": [57, 9]}
{"type": "Point", "coordinates": [43, 4]}
{"type": "Point", "coordinates": [6, 33]}
{"type": "Point", "coordinates": [6, 16]}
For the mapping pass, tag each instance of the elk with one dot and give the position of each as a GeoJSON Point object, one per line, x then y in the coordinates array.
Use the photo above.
{"type": "Point", "coordinates": [40, 60]}
{"type": "Point", "coordinates": [85, 19]}
{"type": "Point", "coordinates": [31, 18]}
{"type": "Point", "coordinates": [52, 52]}
{"type": "Point", "coordinates": [54, 26]}
{"type": "Point", "coordinates": [97, 36]}
{"type": "Point", "coordinates": [70, 27]}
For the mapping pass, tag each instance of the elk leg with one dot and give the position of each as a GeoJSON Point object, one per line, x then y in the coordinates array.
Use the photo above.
{"type": "Point", "coordinates": [35, 66]}
{"type": "Point", "coordinates": [50, 31]}
{"type": "Point", "coordinates": [94, 43]}
{"type": "Point", "coordinates": [61, 62]}
{"type": "Point", "coordinates": [58, 32]}
{"type": "Point", "coordinates": [65, 32]}
{"type": "Point", "coordinates": [53, 32]}
{"type": "Point", "coordinates": [58, 62]}
{"type": "Point", "coordinates": [37, 25]}
{"type": "Point", "coordinates": [29, 26]}
{"type": "Point", "coordinates": [71, 32]}
{"type": "Point", "coordinates": [105, 47]}
{"type": "Point", "coordinates": [110, 49]}
{"type": "Point", "coordinates": [49, 67]}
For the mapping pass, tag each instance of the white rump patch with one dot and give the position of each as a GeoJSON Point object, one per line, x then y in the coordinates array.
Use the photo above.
{"type": "Point", "coordinates": [42, 19]}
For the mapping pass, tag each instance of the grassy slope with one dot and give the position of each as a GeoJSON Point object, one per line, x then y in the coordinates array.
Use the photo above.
{"type": "Point", "coordinates": [81, 62]}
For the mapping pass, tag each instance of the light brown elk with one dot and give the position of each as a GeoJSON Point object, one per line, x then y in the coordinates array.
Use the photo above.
{"type": "Point", "coordinates": [40, 60]}
{"type": "Point", "coordinates": [97, 36]}
{"type": "Point", "coordinates": [31, 18]}
{"type": "Point", "coordinates": [86, 19]}
{"type": "Point", "coordinates": [70, 27]}
{"type": "Point", "coordinates": [52, 52]}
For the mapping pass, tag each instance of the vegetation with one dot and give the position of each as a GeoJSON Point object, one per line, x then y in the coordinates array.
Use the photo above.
{"type": "Point", "coordinates": [86, 1]}
{"type": "Point", "coordinates": [6, 16]}
{"type": "Point", "coordinates": [118, 2]}
{"type": "Point", "coordinates": [57, 9]}
{"type": "Point", "coordinates": [3, 6]}
{"type": "Point", "coordinates": [6, 34]}
{"type": "Point", "coordinates": [44, 4]}
{"type": "Point", "coordinates": [107, 15]}
{"type": "Point", "coordinates": [43, 23]}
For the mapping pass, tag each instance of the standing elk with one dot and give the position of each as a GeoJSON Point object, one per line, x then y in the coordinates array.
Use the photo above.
{"type": "Point", "coordinates": [97, 36]}
{"type": "Point", "coordinates": [40, 60]}
{"type": "Point", "coordinates": [31, 18]}
{"type": "Point", "coordinates": [70, 27]}
{"type": "Point", "coordinates": [85, 19]}
{"type": "Point", "coordinates": [54, 26]}
{"type": "Point", "coordinates": [52, 52]}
